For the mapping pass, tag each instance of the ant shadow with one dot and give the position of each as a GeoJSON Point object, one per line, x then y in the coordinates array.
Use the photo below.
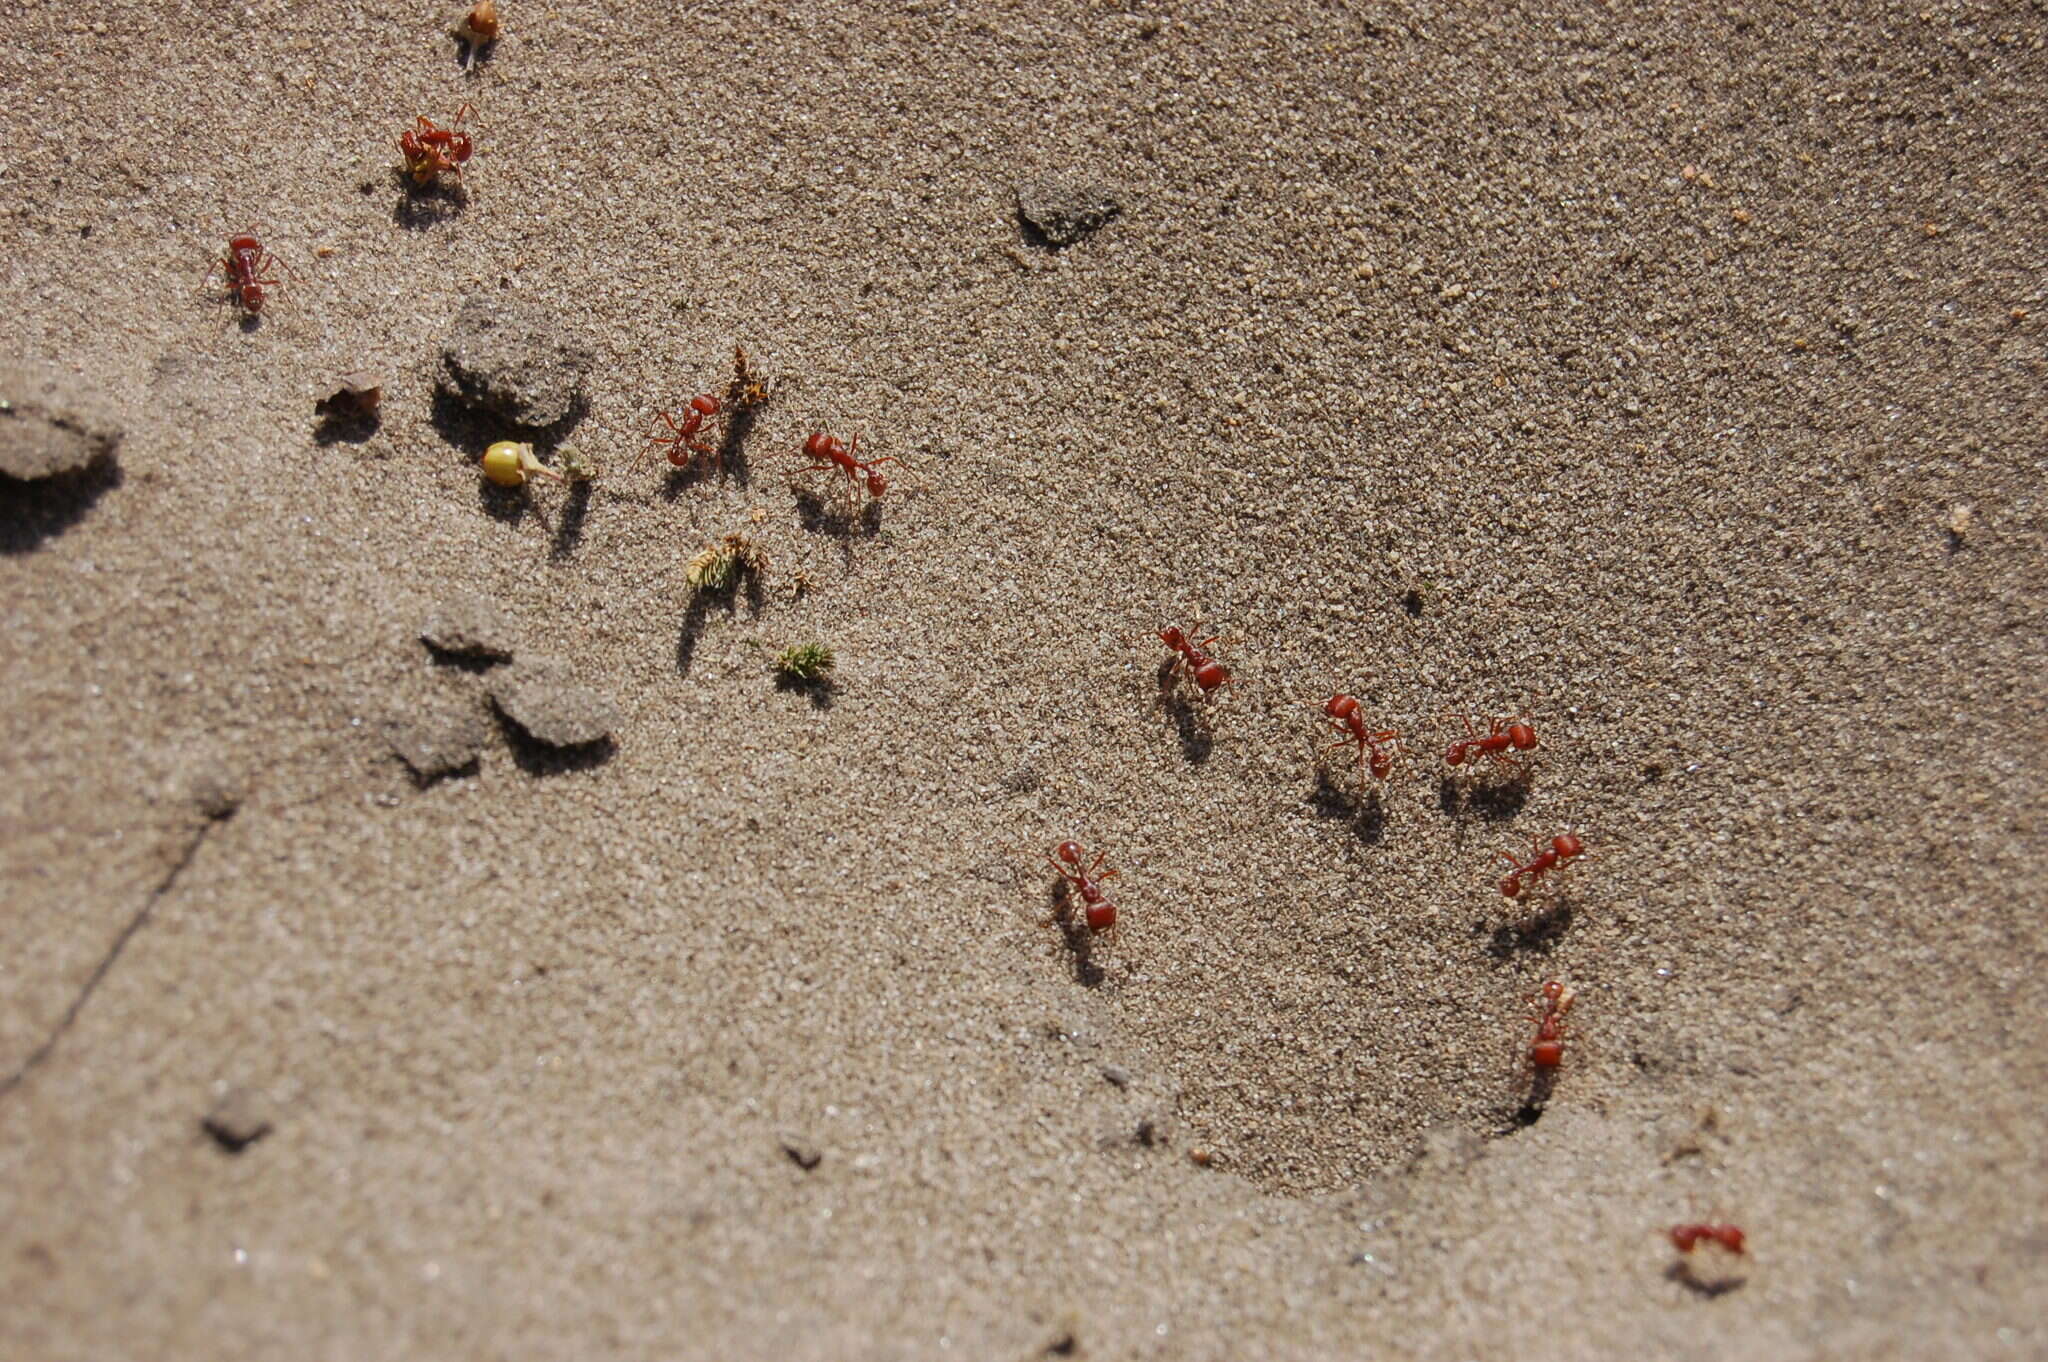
{"type": "Point", "coordinates": [1365, 811]}
{"type": "Point", "coordinates": [569, 530]}
{"type": "Point", "coordinates": [698, 614]}
{"type": "Point", "coordinates": [1531, 1111]}
{"type": "Point", "coordinates": [1190, 719]}
{"type": "Point", "coordinates": [537, 758]}
{"type": "Point", "coordinates": [1708, 1287]}
{"type": "Point", "coordinates": [1079, 940]}
{"type": "Point", "coordinates": [840, 522]}
{"type": "Point", "coordinates": [1537, 934]}
{"type": "Point", "coordinates": [421, 206]}
{"type": "Point", "coordinates": [33, 511]}
{"type": "Point", "coordinates": [1495, 801]}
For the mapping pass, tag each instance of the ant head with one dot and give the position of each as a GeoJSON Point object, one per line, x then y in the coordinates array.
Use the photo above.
{"type": "Point", "coordinates": [877, 484]}
{"type": "Point", "coordinates": [1566, 846]}
{"type": "Point", "coordinates": [1173, 636]}
{"type": "Point", "coordinates": [1070, 852]}
{"type": "Point", "coordinates": [1454, 755]}
{"type": "Point", "coordinates": [1101, 916]}
{"type": "Point", "coordinates": [1211, 675]}
{"type": "Point", "coordinates": [252, 297]}
{"type": "Point", "coordinates": [460, 148]}
{"type": "Point", "coordinates": [1511, 887]}
{"type": "Point", "coordinates": [1553, 990]}
{"type": "Point", "coordinates": [1340, 706]}
{"type": "Point", "coordinates": [705, 403]}
{"type": "Point", "coordinates": [1547, 1054]}
{"type": "Point", "coordinates": [819, 446]}
{"type": "Point", "coordinates": [1522, 736]}
{"type": "Point", "coordinates": [1381, 765]}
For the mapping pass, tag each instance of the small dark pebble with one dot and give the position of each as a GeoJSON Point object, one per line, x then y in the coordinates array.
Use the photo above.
{"type": "Point", "coordinates": [238, 1120]}
{"type": "Point", "coordinates": [801, 1152]}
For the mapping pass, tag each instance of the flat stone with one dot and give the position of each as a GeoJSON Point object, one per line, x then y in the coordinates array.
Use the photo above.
{"type": "Point", "coordinates": [505, 358]}
{"type": "Point", "coordinates": [465, 624]}
{"type": "Point", "coordinates": [50, 426]}
{"type": "Point", "coordinates": [440, 738]}
{"type": "Point", "coordinates": [238, 1120]}
{"type": "Point", "coordinates": [1062, 209]}
{"type": "Point", "coordinates": [541, 695]}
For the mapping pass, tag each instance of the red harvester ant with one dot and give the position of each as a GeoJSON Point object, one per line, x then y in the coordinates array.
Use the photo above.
{"type": "Point", "coordinates": [1098, 911]}
{"type": "Point", "coordinates": [243, 265]}
{"type": "Point", "coordinates": [1497, 743]}
{"type": "Point", "coordinates": [832, 453]}
{"type": "Point", "coordinates": [1207, 672]}
{"type": "Point", "coordinates": [1349, 716]}
{"type": "Point", "coordinates": [431, 152]}
{"type": "Point", "coordinates": [1686, 1237]}
{"type": "Point", "coordinates": [1547, 1050]}
{"type": "Point", "coordinates": [1542, 860]}
{"type": "Point", "coordinates": [685, 436]}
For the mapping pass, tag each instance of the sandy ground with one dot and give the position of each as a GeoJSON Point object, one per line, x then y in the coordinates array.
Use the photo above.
{"type": "Point", "coordinates": [1676, 379]}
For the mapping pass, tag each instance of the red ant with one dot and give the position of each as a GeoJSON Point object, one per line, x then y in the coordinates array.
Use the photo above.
{"type": "Point", "coordinates": [1207, 672]}
{"type": "Point", "coordinates": [243, 265]}
{"type": "Point", "coordinates": [1686, 1237]}
{"type": "Point", "coordinates": [430, 151]}
{"type": "Point", "coordinates": [1547, 1050]}
{"type": "Point", "coordinates": [1099, 912]}
{"type": "Point", "coordinates": [685, 436]}
{"type": "Point", "coordinates": [1498, 743]}
{"type": "Point", "coordinates": [832, 453]}
{"type": "Point", "coordinates": [1348, 715]}
{"type": "Point", "coordinates": [1542, 860]}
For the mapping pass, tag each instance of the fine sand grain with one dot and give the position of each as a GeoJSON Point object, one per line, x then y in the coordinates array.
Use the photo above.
{"type": "Point", "coordinates": [1675, 378]}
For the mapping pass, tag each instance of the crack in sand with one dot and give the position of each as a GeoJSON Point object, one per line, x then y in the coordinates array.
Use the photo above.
{"type": "Point", "coordinates": [113, 953]}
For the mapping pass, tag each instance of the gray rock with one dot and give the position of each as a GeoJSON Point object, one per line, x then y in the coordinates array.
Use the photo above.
{"type": "Point", "coordinates": [439, 739]}
{"type": "Point", "coordinates": [239, 1119]}
{"type": "Point", "coordinates": [1061, 210]}
{"type": "Point", "coordinates": [465, 624]}
{"type": "Point", "coordinates": [1116, 1075]}
{"type": "Point", "coordinates": [48, 426]}
{"type": "Point", "coordinates": [505, 359]}
{"type": "Point", "coordinates": [540, 695]}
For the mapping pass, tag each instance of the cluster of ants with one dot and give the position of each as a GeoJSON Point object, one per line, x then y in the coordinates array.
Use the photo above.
{"type": "Point", "coordinates": [1504, 741]}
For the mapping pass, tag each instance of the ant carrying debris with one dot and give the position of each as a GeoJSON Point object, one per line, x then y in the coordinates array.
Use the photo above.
{"type": "Point", "coordinates": [1726, 1238]}
{"type": "Point", "coordinates": [243, 266]}
{"type": "Point", "coordinates": [1349, 716]}
{"type": "Point", "coordinates": [431, 152]}
{"type": "Point", "coordinates": [1097, 910]}
{"type": "Point", "coordinates": [1503, 738]}
{"type": "Point", "coordinates": [832, 454]}
{"type": "Point", "coordinates": [1546, 1052]}
{"type": "Point", "coordinates": [1206, 672]}
{"type": "Point", "coordinates": [1562, 849]}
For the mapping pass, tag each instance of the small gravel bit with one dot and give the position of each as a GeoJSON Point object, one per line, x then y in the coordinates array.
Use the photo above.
{"type": "Point", "coordinates": [468, 625]}
{"type": "Point", "coordinates": [541, 696]}
{"type": "Point", "coordinates": [505, 359]}
{"type": "Point", "coordinates": [239, 1119]}
{"type": "Point", "coordinates": [439, 740]}
{"type": "Point", "coordinates": [49, 427]}
{"type": "Point", "coordinates": [1059, 211]}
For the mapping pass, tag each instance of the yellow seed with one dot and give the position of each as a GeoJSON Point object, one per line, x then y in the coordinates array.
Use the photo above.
{"type": "Point", "coordinates": [505, 463]}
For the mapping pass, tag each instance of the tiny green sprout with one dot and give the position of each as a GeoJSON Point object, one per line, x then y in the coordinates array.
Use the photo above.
{"type": "Point", "coordinates": [509, 464]}
{"type": "Point", "coordinates": [718, 568]}
{"type": "Point", "coordinates": [804, 664]}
